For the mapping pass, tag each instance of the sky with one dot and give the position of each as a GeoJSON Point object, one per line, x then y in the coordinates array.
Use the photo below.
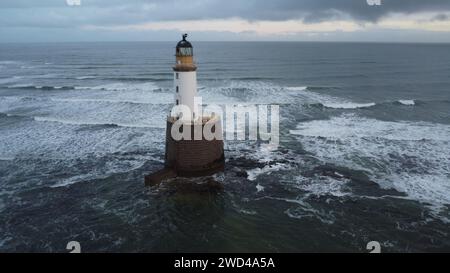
{"type": "Point", "coordinates": [229, 20]}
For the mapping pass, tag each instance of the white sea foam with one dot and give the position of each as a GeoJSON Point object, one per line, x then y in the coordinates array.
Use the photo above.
{"type": "Point", "coordinates": [304, 210]}
{"type": "Point", "coordinates": [254, 173]}
{"type": "Point", "coordinates": [307, 211]}
{"type": "Point", "coordinates": [297, 88]}
{"type": "Point", "coordinates": [411, 157]}
{"type": "Point", "coordinates": [348, 105]}
{"type": "Point", "coordinates": [7, 62]}
{"type": "Point", "coordinates": [246, 92]}
{"type": "Point", "coordinates": [22, 85]}
{"type": "Point", "coordinates": [33, 86]}
{"type": "Point", "coordinates": [259, 188]}
{"type": "Point", "coordinates": [248, 212]}
{"type": "Point", "coordinates": [147, 93]}
{"type": "Point", "coordinates": [335, 102]}
{"type": "Point", "coordinates": [74, 179]}
{"type": "Point", "coordinates": [407, 102]}
{"type": "Point", "coordinates": [349, 125]}
{"type": "Point", "coordinates": [87, 122]}
{"type": "Point", "coordinates": [113, 168]}
{"type": "Point", "coordinates": [311, 97]}
{"type": "Point", "coordinates": [66, 142]}
{"type": "Point", "coordinates": [42, 76]}
{"type": "Point", "coordinates": [65, 108]}
{"type": "Point", "coordinates": [85, 77]}
{"type": "Point", "coordinates": [112, 100]}
{"type": "Point", "coordinates": [322, 185]}
{"type": "Point", "coordinates": [146, 86]}
{"type": "Point", "coordinates": [268, 154]}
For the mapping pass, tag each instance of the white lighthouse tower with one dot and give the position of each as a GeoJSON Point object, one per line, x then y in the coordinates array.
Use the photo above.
{"type": "Point", "coordinates": [191, 156]}
{"type": "Point", "coordinates": [185, 80]}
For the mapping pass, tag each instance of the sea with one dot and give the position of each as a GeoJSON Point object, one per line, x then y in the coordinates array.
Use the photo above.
{"type": "Point", "coordinates": [363, 154]}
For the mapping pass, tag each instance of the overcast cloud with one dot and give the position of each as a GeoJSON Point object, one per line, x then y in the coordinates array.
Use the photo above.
{"type": "Point", "coordinates": [54, 20]}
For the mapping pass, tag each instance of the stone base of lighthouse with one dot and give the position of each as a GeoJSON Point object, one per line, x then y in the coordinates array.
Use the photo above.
{"type": "Point", "coordinates": [191, 157]}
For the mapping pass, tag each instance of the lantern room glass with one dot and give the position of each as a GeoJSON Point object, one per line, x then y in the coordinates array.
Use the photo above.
{"type": "Point", "coordinates": [184, 51]}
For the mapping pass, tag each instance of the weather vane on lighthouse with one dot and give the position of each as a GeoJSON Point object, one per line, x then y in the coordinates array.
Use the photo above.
{"type": "Point", "coordinates": [194, 142]}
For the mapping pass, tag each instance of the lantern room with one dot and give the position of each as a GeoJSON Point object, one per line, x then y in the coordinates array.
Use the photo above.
{"type": "Point", "coordinates": [184, 55]}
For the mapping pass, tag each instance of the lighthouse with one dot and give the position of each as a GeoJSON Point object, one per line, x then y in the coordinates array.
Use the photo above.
{"type": "Point", "coordinates": [185, 80]}
{"type": "Point", "coordinates": [194, 143]}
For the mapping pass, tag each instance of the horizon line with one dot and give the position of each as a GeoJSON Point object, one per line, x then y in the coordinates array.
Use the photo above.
{"type": "Point", "coordinates": [229, 41]}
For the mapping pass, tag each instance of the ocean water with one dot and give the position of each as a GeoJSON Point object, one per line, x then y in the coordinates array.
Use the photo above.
{"type": "Point", "coordinates": [364, 149]}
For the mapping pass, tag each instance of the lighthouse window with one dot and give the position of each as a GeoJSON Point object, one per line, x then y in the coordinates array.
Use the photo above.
{"type": "Point", "coordinates": [176, 76]}
{"type": "Point", "coordinates": [176, 89]}
{"type": "Point", "coordinates": [185, 51]}
{"type": "Point", "coordinates": [177, 102]}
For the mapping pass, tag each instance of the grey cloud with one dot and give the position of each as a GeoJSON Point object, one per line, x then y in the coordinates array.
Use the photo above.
{"type": "Point", "coordinates": [440, 17]}
{"type": "Point", "coordinates": [55, 13]}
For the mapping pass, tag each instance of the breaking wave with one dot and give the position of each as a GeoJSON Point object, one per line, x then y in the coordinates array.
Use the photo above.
{"type": "Point", "coordinates": [42, 87]}
{"type": "Point", "coordinates": [348, 105]}
{"type": "Point", "coordinates": [82, 122]}
{"type": "Point", "coordinates": [85, 77]}
{"type": "Point", "coordinates": [411, 157]}
{"type": "Point", "coordinates": [120, 86]}
{"type": "Point", "coordinates": [407, 102]}
{"type": "Point", "coordinates": [119, 100]}
{"type": "Point", "coordinates": [327, 101]}
{"type": "Point", "coordinates": [297, 88]}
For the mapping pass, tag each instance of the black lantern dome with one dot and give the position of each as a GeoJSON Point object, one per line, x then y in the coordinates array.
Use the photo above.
{"type": "Point", "coordinates": [184, 43]}
{"type": "Point", "coordinates": [184, 47]}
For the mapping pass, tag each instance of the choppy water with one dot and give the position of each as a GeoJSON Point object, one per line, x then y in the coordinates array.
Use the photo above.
{"type": "Point", "coordinates": [364, 152]}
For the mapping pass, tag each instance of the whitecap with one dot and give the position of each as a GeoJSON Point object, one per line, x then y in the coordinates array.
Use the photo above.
{"type": "Point", "coordinates": [319, 185]}
{"type": "Point", "coordinates": [147, 86]}
{"type": "Point", "coordinates": [72, 180]}
{"type": "Point", "coordinates": [135, 101]}
{"type": "Point", "coordinates": [242, 92]}
{"type": "Point", "coordinates": [407, 102]}
{"type": "Point", "coordinates": [305, 210]}
{"type": "Point", "coordinates": [259, 188]}
{"type": "Point", "coordinates": [311, 97]}
{"type": "Point", "coordinates": [88, 122]}
{"type": "Point", "coordinates": [7, 62]}
{"type": "Point", "coordinates": [309, 212]}
{"type": "Point", "coordinates": [120, 166]}
{"type": "Point", "coordinates": [22, 85]}
{"type": "Point", "coordinates": [248, 212]}
{"type": "Point", "coordinates": [411, 157]}
{"type": "Point", "coordinates": [349, 126]}
{"type": "Point", "coordinates": [348, 105]}
{"type": "Point", "coordinates": [297, 88]}
{"type": "Point", "coordinates": [85, 77]}
{"type": "Point", "coordinates": [254, 173]}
